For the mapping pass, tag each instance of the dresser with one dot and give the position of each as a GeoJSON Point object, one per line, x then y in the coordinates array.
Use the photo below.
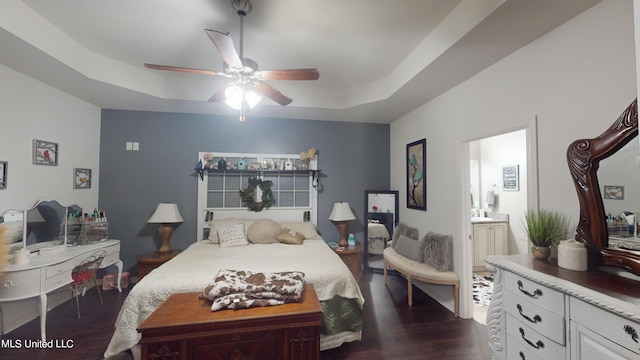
{"type": "Point", "coordinates": [541, 311]}
{"type": "Point", "coordinates": [184, 327]}
{"type": "Point", "coordinates": [46, 273]}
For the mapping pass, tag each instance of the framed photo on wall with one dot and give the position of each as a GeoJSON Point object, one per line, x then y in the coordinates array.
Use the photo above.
{"type": "Point", "coordinates": [416, 175]}
{"type": "Point", "coordinates": [45, 152]}
{"type": "Point", "coordinates": [81, 178]}
{"type": "Point", "coordinates": [3, 175]}
{"type": "Point", "coordinates": [614, 192]}
{"type": "Point", "coordinates": [511, 178]}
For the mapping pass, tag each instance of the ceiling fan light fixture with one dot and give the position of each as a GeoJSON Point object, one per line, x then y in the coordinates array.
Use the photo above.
{"type": "Point", "coordinates": [233, 96]}
{"type": "Point", "coordinates": [252, 98]}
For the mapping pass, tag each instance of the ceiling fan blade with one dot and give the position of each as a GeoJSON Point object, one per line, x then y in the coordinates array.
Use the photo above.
{"type": "Point", "coordinates": [183, 69]}
{"type": "Point", "coordinates": [219, 95]}
{"type": "Point", "coordinates": [273, 94]}
{"type": "Point", "coordinates": [224, 44]}
{"type": "Point", "coordinates": [290, 74]}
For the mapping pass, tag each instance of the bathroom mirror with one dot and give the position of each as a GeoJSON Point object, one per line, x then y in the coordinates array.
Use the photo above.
{"type": "Point", "coordinates": [583, 157]}
{"type": "Point", "coordinates": [381, 208]}
{"type": "Point", "coordinates": [12, 226]}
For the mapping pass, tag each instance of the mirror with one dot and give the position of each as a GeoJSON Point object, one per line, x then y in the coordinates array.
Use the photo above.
{"type": "Point", "coordinates": [11, 225]}
{"type": "Point", "coordinates": [382, 210]}
{"type": "Point", "coordinates": [46, 224]}
{"type": "Point", "coordinates": [584, 158]}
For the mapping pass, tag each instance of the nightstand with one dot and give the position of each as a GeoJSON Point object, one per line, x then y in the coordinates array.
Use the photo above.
{"type": "Point", "coordinates": [151, 260]}
{"type": "Point", "coordinates": [350, 255]}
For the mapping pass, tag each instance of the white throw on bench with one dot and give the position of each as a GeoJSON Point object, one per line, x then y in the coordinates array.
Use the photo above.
{"type": "Point", "coordinates": [433, 250]}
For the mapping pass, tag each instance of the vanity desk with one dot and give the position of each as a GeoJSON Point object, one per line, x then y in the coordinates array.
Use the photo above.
{"type": "Point", "coordinates": [46, 273]}
{"type": "Point", "coordinates": [542, 311]}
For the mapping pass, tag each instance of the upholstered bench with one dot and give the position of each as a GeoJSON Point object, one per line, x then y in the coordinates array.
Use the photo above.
{"type": "Point", "coordinates": [412, 269]}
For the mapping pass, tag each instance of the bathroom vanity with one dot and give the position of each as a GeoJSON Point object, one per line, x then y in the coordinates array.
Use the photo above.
{"type": "Point", "coordinates": [490, 237]}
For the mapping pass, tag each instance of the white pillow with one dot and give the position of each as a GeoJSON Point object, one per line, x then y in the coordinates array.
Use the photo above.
{"type": "Point", "coordinates": [214, 225]}
{"type": "Point", "coordinates": [232, 235]}
{"type": "Point", "coordinates": [308, 229]}
{"type": "Point", "coordinates": [264, 231]}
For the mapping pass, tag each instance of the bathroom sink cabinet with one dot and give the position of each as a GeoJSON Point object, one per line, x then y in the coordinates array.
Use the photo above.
{"type": "Point", "coordinates": [489, 238]}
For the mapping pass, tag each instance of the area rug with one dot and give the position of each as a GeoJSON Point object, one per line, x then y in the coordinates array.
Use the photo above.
{"type": "Point", "coordinates": [482, 289]}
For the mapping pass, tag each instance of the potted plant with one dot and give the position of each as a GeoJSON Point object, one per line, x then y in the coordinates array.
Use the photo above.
{"type": "Point", "coordinates": [545, 228]}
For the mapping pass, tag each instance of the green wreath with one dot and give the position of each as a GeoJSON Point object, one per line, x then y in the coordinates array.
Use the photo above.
{"type": "Point", "coordinates": [248, 195]}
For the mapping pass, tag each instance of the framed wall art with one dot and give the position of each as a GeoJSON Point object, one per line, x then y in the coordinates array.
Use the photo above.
{"type": "Point", "coordinates": [614, 192]}
{"type": "Point", "coordinates": [3, 175]}
{"type": "Point", "coordinates": [45, 152]}
{"type": "Point", "coordinates": [81, 178]}
{"type": "Point", "coordinates": [416, 175]}
{"type": "Point", "coordinates": [511, 178]}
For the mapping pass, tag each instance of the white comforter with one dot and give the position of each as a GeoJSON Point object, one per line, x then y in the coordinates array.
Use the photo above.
{"type": "Point", "coordinates": [192, 270]}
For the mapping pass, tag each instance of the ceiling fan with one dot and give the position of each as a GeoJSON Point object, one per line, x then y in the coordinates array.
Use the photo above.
{"type": "Point", "coordinates": [247, 82]}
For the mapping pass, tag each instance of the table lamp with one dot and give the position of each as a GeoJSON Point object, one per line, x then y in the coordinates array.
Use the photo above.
{"type": "Point", "coordinates": [166, 214]}
{"type": "Point", "coordinates": [340, 214]}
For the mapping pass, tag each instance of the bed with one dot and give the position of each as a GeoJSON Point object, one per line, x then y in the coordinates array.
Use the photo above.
{"type": "Point", "coordinates": [194, 268]}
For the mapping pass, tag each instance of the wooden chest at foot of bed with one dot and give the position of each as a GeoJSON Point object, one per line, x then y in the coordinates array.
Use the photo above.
{"type": "Point", "coordinates": [184, 327]}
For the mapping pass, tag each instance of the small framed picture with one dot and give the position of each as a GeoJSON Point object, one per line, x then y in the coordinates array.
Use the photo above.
{"type": "Point", "coordinates": [614, 192]}
{"type": "Point", "coordinates": [3, 175]}
{"type": "Point", "coordinates": [45, 152]}
{"type": "Point", "coordinates": [511, 178]}
{"type": "Point", "coordinates": [81, 178]}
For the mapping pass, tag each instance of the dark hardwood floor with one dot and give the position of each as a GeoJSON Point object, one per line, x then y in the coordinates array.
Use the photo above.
{"type": "Point", "coordinates": [392, 330]}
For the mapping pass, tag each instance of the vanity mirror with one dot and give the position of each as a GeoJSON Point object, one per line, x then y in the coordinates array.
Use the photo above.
{"type": "Point", "coordinates": [46, 225]}
{"type": "Point", "coordinates": [584, 158]}
{"type": "Point", "coordinates": [382, 210]}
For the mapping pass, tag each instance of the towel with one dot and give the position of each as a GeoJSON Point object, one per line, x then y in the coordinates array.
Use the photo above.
{"type": "Point", "coordinates": [491, 198]}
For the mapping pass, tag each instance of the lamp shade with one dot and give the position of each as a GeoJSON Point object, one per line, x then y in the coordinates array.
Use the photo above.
{"type": "Point", "coordinates": [166, 213]}
{"type": "Point", "coordinates": [341, 212]}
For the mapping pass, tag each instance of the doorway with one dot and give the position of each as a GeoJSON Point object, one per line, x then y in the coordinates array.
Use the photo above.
{"type": "Point", "coordinates": [486, 160]}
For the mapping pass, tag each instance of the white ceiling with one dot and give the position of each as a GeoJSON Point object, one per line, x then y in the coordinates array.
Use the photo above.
{"type": "Point", "coordinates": [378, 59]}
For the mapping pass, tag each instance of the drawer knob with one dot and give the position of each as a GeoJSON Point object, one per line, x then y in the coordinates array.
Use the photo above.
{"type": "Point", "coordinates": [536, 318]}
{"type": "Point", "coordinates": [536, 293]}
{"type": "Point", "coordinates": [8, 284]}
{"type": "Point", "coordinates": [632, 332]}
{"type": "Point", "coordinates": [538, 345]}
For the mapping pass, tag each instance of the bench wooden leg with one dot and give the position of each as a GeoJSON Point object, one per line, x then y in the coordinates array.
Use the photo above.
{"type": "Point", "coordinates": [385, 271]}
{"type": "Point", "coordinates": [410, 290]}
{"type": "Point", "coordinates": [456, 299]}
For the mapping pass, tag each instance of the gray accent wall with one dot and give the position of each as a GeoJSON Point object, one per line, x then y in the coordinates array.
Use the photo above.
{"type": "Point", "coordinates": [353, 157]}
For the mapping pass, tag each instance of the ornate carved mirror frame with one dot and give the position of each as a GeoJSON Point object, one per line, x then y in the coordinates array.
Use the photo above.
{"type": "Point", "coordinates": [584, 158]}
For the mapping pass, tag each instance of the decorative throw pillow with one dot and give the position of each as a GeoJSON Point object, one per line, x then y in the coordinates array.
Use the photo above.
{"type": "Point", "coordinates": [306, 228]}
{"type": "Point", "coordinates": [232, 235]}
{"type": "Point", "coordinates": [214, 225]}
{"type": "Point", "coordinates": [292, 237]}
{"type": "Point", "coordinates": [438, 251]}
{"type": "Point", "coordinates": [264, 231]}
{"type": "Point", "coordinates": [410, 248]}
{"type": "Point", "coordinates": [404, 229]}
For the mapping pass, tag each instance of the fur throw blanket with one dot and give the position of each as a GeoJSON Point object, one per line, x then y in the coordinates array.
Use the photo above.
{"type": "Point", "coordinates": [236, 289]}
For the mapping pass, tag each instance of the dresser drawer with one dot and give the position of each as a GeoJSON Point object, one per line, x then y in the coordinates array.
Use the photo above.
{"type": "Point", "coordinates": [517, 351]}
{"type": "Point", "coordinates": [545, 297]}
{"type": "Point", "coordinates": [55, 270]}
{"type": "Point", "coordinates": [58, 281]}
{"type": "Point", "coordinates": [532, 340]}
{"type": "Point", "coordinates": [543, 321]}
{"type": "Point", "coordinates": [614, 327]}
{"type": "Point", "coordinates": [19, 285]}
{"type": "Point", "coordinates": [110, 259]}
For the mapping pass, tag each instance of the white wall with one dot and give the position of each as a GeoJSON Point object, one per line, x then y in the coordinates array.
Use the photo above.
{"type": "Point", "coordinates": [577, 78]}
{"type": "Point", "coordinates": [33, 110]}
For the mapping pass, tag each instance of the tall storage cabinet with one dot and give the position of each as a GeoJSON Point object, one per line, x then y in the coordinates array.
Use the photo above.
{"type": "Point", "coordinates": [489, 238]}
